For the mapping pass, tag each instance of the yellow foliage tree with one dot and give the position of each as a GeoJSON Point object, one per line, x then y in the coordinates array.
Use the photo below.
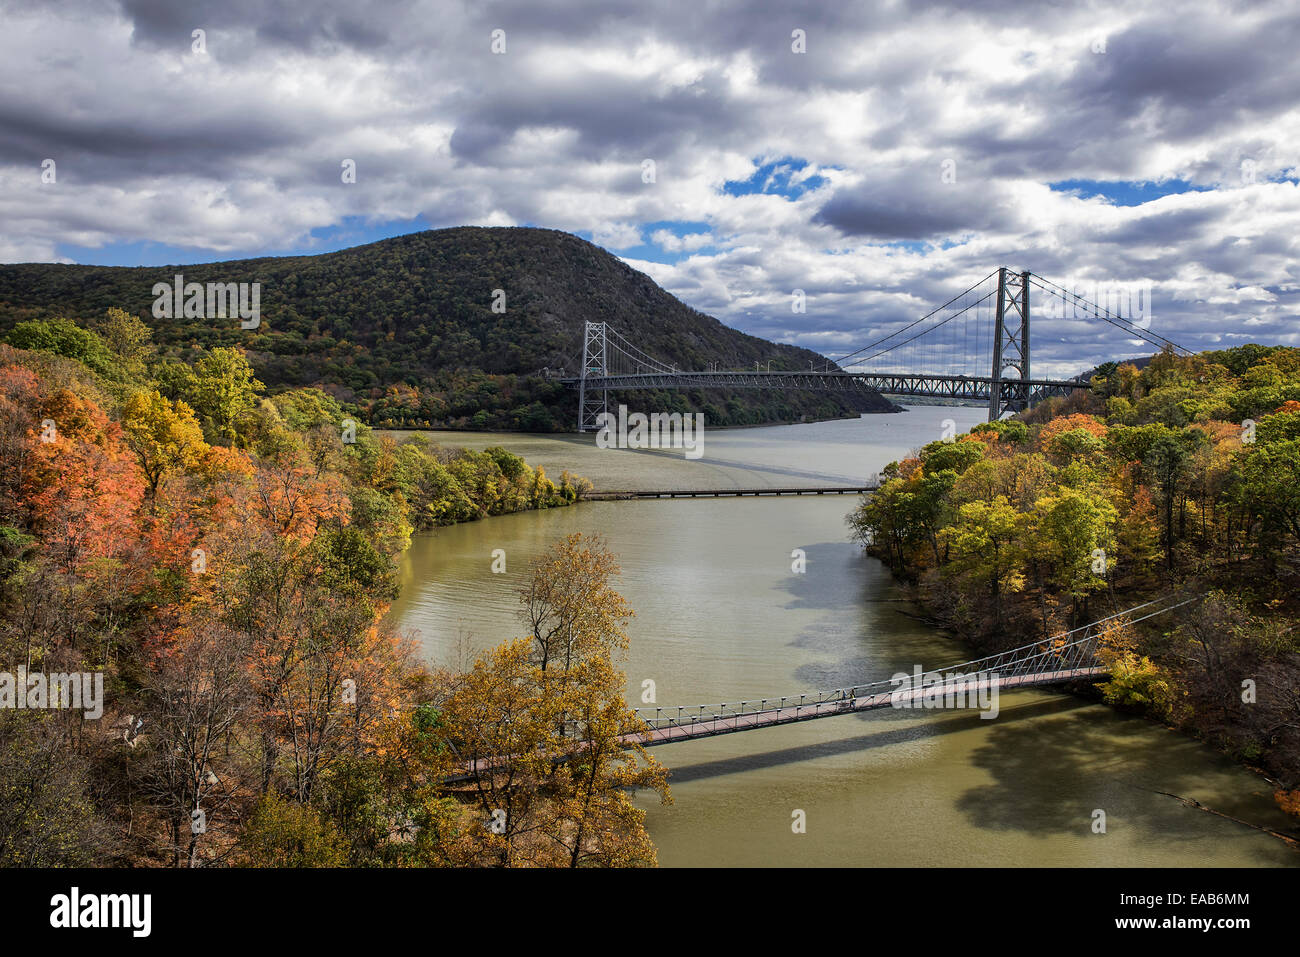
{"type": "Point", "coordinates": [165, 436]}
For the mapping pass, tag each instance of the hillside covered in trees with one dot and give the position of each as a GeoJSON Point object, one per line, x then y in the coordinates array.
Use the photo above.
{"type": "Point", "coordinates": [1181, 478]}
{"type": "Point", "coordinates": [404, 328]}
{"type": "Point", "coordinates": [223, 563]}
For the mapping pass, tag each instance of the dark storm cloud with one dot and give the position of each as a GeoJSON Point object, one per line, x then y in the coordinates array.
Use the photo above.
{"type": "Point", "coordinates": [1175, 80]}
{"type": "Point", "coordinates": [1161, 229]}
{"type": "Point", "coordinates": [304, 26]}
{"type": "Point", "coordinates": [1208, 61]}
{"type": "Point", "coordinates": [109, 149]}
{"type": "Point", "coordinates": [908, 213]}
{"type": "Point", "coordinates": [615, 117]}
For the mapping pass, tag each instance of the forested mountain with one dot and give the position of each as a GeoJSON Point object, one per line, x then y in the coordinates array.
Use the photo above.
{"type": "Point", "coordinates": [405, 329]}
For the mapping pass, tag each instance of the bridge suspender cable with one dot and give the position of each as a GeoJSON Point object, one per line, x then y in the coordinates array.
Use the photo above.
{"type": "Point", "coordinates": [923, 332]}
{"type": "Point", "coordinates": [915, 322]}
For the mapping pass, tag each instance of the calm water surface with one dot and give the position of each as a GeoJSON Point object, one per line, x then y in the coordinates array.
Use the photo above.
{"type": "Point", "coordinates": [721, 616]}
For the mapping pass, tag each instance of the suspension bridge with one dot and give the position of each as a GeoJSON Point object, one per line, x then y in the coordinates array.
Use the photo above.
{"type": "Point", "coordinates": [1067, 656]}
{"type": "Point", "coordinates": [974, 347]}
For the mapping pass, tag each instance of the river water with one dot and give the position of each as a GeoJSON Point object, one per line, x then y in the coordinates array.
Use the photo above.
{"type": "Point", "coordinates": [721, 615]}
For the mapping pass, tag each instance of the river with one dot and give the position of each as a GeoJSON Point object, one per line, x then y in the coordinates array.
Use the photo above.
{"type": "Point", "coordinates": [721, 615]}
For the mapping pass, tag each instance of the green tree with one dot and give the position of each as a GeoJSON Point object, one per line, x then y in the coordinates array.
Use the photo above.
{"type": "Point", "coordinates": [65, 338]}
{"type": "Point", "coordinates": [1168, 460]}
{"type": "Point", "coordinates": [981, 542]}
{"type": "Point", "coordinates": [951, 456]}
{"type": "Point", "coordinates": [1271, 485]}
{"type": "Point", "coordinates": [1061, 534]}
{"type": "Point", "coordinates": [223, 390]}
{"type": "Point", "coordinates": [129, 339]}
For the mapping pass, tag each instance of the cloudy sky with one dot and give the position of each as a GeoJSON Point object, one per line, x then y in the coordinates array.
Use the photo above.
{"type": "Point", "coordinates": [881, 157]}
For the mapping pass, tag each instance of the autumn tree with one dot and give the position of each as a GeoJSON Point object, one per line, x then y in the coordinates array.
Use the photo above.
{"type": "Point", "coordinates": [46, 808]}
{"type": "Point", "coordinates": [196, 696]}
{"type": "Point", "coordinates": [570, 606]}
{"type": "Point", "coordinates": [591, 818]}
{"type": "Point", "coordinates": [542, 726]}
{"type": "Point", "coordinates": [1134, 680]}
{"type": "Point", "coordinates": [165, 436]}
{"type": "Point", "coordinates": [284, 833]}
{"type": "Point", "coordinates": [982, 543]}
{"type": "Point", "coordinates": [503, 723]}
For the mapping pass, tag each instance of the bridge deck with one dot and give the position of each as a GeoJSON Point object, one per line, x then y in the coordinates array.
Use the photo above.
{"type": "Point", "coordinates": [731, 492]}
{"type": "Point", "coordinates": [688, 728]}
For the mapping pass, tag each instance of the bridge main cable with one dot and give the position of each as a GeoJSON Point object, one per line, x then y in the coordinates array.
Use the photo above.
{"type": "Point", "coordinates": [1127, 325]}
{"type": "Point", "coordinates": [917, 321]}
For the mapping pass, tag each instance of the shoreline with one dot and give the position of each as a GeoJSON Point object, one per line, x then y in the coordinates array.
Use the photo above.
{"type": "Point", "coordinates": [1089, 691]}
{"type": "Point", "coordinates": [417, 430]}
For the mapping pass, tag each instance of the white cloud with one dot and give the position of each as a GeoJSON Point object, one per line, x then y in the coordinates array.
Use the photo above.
{"type": "Point", "coordinates": [670, 242]}
{"type": "Point", "coordinates": [239, 151]}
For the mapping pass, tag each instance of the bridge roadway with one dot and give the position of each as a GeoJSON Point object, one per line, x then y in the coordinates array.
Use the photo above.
{"type": "Point", "coordinates": [975, 388]}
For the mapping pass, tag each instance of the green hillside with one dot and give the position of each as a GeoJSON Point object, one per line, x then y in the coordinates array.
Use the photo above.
{"type": "Point", "coordinates": [404, 328]}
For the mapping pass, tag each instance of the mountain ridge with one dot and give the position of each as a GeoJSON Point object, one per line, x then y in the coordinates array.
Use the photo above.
{"type": "Point", "coordinates": [403, 327]}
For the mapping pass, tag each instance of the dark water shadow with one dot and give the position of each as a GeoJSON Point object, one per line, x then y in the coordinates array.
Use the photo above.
{"type": "Point", "coordinates": [1050, 776]}
{"type": "Point", "coordinates": [881, 738]}
{"type": "Point", "coordinates": [816, 592]}
{"type": "Point", "coordinates": [863, 631]}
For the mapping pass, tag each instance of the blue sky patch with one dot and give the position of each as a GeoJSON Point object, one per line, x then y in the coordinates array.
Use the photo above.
{"type": "Point", "coordinates": [650, 250]}
{"type": "Point", "coordinates": [776, 177]}
{"type": "Point", "coordinates": [1125, 192]}
{"type": "Point", "coordinates": [352, 231]}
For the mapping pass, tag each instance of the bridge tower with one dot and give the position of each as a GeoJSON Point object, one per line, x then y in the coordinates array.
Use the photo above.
{"type": "Point", "coordinates": [1010, 345]}
{"type": "Point", "coordinates": [595, 363]}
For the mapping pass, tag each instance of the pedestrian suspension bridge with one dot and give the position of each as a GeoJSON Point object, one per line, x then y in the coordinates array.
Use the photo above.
{"type": "Point", "coordinates": [1068, 656]}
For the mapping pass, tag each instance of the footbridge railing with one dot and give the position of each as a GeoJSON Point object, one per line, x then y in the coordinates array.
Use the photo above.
{"type": "Point", "coordinates": [1065, 656]}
